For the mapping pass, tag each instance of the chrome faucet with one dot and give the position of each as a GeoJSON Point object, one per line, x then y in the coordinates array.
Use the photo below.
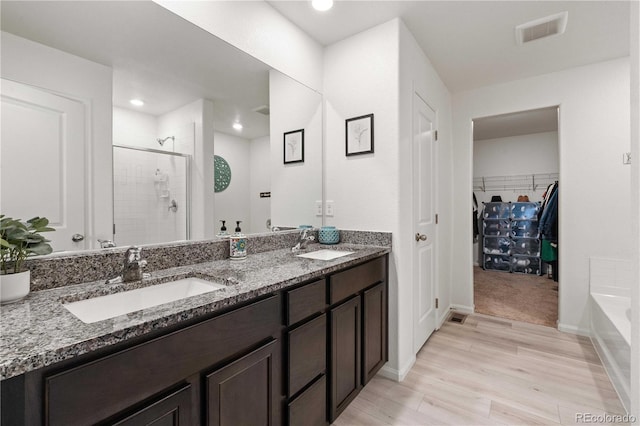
{"type": "Point", "coordinates": [132, 267]}
{"type": "Point", "coordinates": [303, 240]}
{"type": "Point", "coordinates": [106, 243]}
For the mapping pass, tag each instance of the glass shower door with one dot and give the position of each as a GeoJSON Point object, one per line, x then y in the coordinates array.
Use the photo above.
{"type": "Point", "coordinates": [151, 196]}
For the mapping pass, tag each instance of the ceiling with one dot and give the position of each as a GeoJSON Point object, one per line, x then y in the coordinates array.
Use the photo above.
{"type": "Point", "coordinates": [516, 124]}
{"type": "Point", "coordinates": [169, 62]}
{"type": "Point", "coordinates": [162, 59]}
{"type": "Point", "coordinates": [472, 43]}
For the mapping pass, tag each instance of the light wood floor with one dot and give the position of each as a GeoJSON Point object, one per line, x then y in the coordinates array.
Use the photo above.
{"type": "Point", "coordinates": [490, 371]}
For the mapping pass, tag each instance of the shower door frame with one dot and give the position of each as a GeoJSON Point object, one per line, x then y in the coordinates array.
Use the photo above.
{"type": "Point", "coordinates": [187, 158]}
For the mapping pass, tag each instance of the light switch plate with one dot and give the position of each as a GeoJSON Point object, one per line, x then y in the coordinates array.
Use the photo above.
{"type": "Point", "coordinates": [626, 158]}
{"type": "Point", "coordinates": [328, 210]}
{"type": "Point", "coordinates": [318, 208]}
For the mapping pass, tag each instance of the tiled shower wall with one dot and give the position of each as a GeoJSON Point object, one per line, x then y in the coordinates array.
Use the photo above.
{"type": "Point", "coordinates": [145, 184]}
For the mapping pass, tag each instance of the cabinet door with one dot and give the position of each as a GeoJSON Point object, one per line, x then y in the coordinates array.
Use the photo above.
{"type": "Point", "coordinates": [242, 392]}
{"type": "Point", "coordinates": [374, 330]}
{"type": "Point", "coordinates": [345, 355]}
{"type": "Point", "coordinates": [172, 410]}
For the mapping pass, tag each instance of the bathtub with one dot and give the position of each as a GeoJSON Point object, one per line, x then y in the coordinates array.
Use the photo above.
{"type": "Point", "coordinates": [611, 336]}
{"type": "Point", "coordinates": [610, 283]}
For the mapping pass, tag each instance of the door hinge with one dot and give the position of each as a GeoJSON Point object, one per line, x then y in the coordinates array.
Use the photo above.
{"type": "Point", "coordinates": [435, 135]}
{"type": "Point", "coordinates": [436, 303]}
{"type": "Point", "coordinates": [436, 218]}
{"type": "Point", "coordinates": [114, 229]}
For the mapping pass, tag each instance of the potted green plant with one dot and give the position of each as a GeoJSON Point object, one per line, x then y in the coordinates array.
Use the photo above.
{"type": "Point", "coordinates": [19, 240]}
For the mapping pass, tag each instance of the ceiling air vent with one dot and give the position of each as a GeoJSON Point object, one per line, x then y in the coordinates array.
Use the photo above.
{"type": "Point", "coordinates": [541, 28]}
{"type": "Point", "coordinates": [262, 109]}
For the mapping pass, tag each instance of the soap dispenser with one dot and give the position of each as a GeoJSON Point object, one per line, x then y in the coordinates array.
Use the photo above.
{"type": "Point", "coordinates": [223, 230]}
{"type": "Point", "coordinates": [238, 244]}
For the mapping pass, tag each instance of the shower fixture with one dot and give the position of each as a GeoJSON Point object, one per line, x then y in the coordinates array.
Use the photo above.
{"type": "Point", "coordinates": [162, 141]}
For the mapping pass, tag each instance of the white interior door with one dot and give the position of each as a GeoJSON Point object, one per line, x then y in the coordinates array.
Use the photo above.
{"type": "Point", "coordinates": [424, 195]}
{"type": "Point", "coordinates": [36, 121]}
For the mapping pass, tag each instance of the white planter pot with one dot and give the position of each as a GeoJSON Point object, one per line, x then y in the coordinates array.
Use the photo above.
{"type": "Point", "coordinates": [14, 287]}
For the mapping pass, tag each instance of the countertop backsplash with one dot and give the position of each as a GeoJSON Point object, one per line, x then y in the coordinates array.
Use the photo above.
{"type": "Point", "coordinates": [62, 269]}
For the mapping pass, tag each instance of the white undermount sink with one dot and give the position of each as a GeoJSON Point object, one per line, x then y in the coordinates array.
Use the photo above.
{"type": "Point", "coordinates": [325, 254]}
{"type": "Point", "coordinates": [110, 306]}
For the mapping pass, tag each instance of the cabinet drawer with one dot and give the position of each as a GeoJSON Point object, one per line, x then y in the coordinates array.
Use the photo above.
{"type": "Point", "coordinates": [99, 389]}
{"type": "Point", "coordinates": [307, 349]}
{"type": "Point", "coordinates": [310, 408]}
{"type": "Point", "coordinates": [305, 301]}
{"type": "Point", "coordinates": [347, 283]}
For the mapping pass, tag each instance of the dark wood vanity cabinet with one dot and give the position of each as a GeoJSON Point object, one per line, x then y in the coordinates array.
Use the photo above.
{"type": "Point", "coordinates": [172, 409]}
{"type": "Point", "coordinates": [213, 371]}
{"type": "Point", "coordinates": [306, 354]}
{"type": "Point", "coordinates": [244, 392]}
{"type": "Point", "coordinates": [298, 356]}
{"type": "Point", "coordinates": [345, 355]}
{"type": "Point", "coordinates": [358, 320]}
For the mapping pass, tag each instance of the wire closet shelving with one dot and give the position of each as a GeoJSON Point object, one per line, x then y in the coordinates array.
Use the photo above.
{"type": "Point", "coordinates": [531, 182]}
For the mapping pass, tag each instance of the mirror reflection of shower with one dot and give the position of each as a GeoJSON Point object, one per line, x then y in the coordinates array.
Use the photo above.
{"type": "Point", "coordinates": [162, 141]}
{"type": "Point", "coordinates": [149, 186]}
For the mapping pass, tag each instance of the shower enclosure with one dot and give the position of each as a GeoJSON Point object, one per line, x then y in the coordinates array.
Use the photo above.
{"type": "Point", "coordinates": [151, 196]}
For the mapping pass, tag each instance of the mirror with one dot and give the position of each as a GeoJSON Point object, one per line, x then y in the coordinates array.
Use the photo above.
{"type": "Point", "coordinates": [195, 88]}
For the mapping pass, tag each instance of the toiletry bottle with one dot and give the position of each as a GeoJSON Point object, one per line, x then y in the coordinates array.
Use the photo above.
{"type": "Point", "coordinates": [238, 244]}
{"type": "Point", "coordinates": [223, 230]}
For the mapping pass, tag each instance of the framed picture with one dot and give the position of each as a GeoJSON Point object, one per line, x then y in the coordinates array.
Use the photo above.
{"type": "Point", "coordinates": [359, 135]}
{"type": "Point", "coordinates": [294, 147]}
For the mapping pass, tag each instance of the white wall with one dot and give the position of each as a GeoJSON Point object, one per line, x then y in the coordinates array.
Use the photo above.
{"type": "Point", "coordinates": [90, 83]}
{"type": "Point", "coordinates": [256, 28]}
{"type": "Point", "coordinates": [260, 181]}
{"type": "Point", "coordinates": [417, 75]}
{"type": "Point", "coordinates": [295, 187]}
{"type": "Point", "coordinates": [133, 128]}
{"type": "Point", "coordinates": [365, 187]}
{"type": "Point", "coordinates": [233, 203]}
{"type": "Point", "coordinates": [512, 156]}
{"type": "Point", "coordinates": [594, 192]}
{"type": "Point", "coordinates": [373, 191]}
{"type": "Point", "coordinates": [635, 206]}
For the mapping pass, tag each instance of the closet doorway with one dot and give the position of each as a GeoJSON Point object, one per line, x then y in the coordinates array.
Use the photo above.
{"type": "Point", "coordinates": [515, 186]}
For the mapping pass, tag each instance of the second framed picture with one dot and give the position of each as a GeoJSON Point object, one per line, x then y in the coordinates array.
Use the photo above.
{"type": "Point", "coordinates": [359, 135]}
{"type": "Point", "coordinates": [294, 147]}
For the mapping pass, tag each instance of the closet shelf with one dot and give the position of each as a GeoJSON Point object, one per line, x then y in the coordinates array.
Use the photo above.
{"type": "Point", "coordinates": [516, 182]}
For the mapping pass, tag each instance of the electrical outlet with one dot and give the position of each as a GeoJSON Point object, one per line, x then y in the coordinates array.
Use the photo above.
{"type": "Point", "coordinates": [328, 209]}
{"type": "Point", "coordinates": [319, 208]}
{"type": "Point", "coordinates": [626, 158]}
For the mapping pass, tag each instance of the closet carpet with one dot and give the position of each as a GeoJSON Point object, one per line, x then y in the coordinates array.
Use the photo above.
{"type": "Point", "coordinates": [520, 297]}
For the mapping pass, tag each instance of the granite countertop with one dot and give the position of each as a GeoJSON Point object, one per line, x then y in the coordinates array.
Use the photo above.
{"type": "Point", "coordinates": [39, 331]}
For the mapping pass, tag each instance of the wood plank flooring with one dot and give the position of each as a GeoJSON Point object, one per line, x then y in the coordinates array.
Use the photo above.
{"type": "Point", "coordinates": [491, 371]}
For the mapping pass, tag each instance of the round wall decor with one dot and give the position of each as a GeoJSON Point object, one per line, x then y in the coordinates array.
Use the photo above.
{"type": "Point", "coordinates": [222, 173]}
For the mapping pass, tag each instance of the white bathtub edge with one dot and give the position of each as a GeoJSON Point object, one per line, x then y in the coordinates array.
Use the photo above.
{"type": "Point", "coordinates": [613, 372]}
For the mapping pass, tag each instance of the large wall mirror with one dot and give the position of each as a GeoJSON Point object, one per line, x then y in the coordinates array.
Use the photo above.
{"type": "Point", "coordinates": [207, 146]}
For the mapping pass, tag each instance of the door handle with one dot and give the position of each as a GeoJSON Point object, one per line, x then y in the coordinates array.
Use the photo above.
{"type": "Point", "coordinates": [420, 237]}
{"type": "Point", "coordinates": [77, 238]}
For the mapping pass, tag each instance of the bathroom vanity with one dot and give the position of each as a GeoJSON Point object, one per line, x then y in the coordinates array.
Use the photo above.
{"type": "Point", "coordinates": [286, 341]}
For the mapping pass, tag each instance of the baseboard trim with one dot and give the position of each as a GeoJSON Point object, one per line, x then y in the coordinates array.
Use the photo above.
{"type": "Point", "coordinates": [462, 308]}
{"type": "Point", "coordinates": [397, 375]}
{"type": "Point", "coordinates": [443, 317]}
{"type": "Point", "coordinates": [572, 329]}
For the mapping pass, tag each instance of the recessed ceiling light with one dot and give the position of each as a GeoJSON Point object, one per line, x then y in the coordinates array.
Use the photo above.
{"type": "Point", "coordinates": [136, 102]}
{"type": "Point", "coordinates": [237, 126]}
{"type": "Point", "coordinates": [322, 5]}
